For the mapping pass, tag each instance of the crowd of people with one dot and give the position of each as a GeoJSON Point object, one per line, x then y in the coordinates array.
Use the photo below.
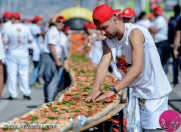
{"type": "Point", "coordinates": [165, 33]}
{"type": "Point", "coordinates": [32, 40]}
{"type": "Point", "coordinates": [137, 50]}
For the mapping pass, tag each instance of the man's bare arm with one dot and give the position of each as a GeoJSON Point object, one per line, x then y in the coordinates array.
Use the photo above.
{"type": "Point", "coordinates": [103, 66]}
{"type": "Point", "coordinates": [176, 44]}
{"type": "Point", "coordinates": [5, 42]}
{"type": "Point", "coordinates": [99, 37]}
{"type": "Point", "coordinates": [137, 59]}
{"type": "Point", "coordinates": [153, 31]}
{"type": "Point", "coordinates": [137, 63]}
{"type": "Point", "coordinates": [54, 55]}
{"type": "Point", "coordinates": [1, 78]}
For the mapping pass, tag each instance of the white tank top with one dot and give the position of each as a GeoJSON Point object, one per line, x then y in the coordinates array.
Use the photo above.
{"type": "Point", "coordinates": [152, 83]}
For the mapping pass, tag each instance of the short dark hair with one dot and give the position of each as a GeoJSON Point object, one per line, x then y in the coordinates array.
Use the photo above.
{"type": "Point", "coordinates": [142, 14]}
{"type": "Point", "coordinates": [176, 9]}
{"type": "Point", "coordinates": [1, 20]}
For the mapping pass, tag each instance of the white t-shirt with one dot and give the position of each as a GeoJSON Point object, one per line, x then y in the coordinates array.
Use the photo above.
{"type": "Point", "coordinates": [35, 29]}
{"type": "Point", "coordinates": [17, 37]}
{"type": "Point", "coordinates": [162, 26]}
{"type": "Point", "coordinates": [2, 54]}
{"type": "Point", "coordinates": [29, 25]}
{"type": "Point", "coordinates": [6, 26]}
{"type": "Point", "coordinates": [96, 51]}
{"type": "Point", "coordinates": [152, 83]}
{"type": "Point", "coordinates": [53, 37]}
{"type": "Point", "coordinates": [64, 43]}
{"type": "Point", "coordinates": [145, 23]}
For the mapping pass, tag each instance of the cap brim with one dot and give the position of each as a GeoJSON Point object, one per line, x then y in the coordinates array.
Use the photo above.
{"type": "Point", "coordinates": [159, 12]}
{"type": "Point", "coordinates": [127, 16]}
{"type": "Point", "coordinates": [117, 10]}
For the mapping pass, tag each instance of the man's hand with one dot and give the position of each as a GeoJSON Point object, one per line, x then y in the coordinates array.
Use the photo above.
{"type": "Point", "coordinates": [105, 95]}
{"type": "Point", "coordinates": [175, 53]}
{"type": "Point", "coordinates": [92, 97]}
{"type": "Point", "coordinates": [90, 40]}
{"type": "Point", "coordinates": [58, 63]}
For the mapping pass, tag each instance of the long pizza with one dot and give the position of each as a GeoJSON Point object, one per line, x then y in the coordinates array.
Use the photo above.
{"type": "Point", "coordinates": [70, 103]}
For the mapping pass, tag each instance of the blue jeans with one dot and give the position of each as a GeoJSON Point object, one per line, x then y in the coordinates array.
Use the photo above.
{"type": "Point", "coordinates": [164, 52]}
{"type": "Point", "coordinates": [34, 75]}
{"type": "Point", "coordinates": [176, 66]}
{"type": "Point", "coordinates": [48, 71]}
{"type": "Point", "coordinates": [60, 79]}
{"type": "Point", "coordinates": [60, 75]}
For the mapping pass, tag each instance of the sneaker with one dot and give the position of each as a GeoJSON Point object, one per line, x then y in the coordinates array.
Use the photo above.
{"type": "Point", "coordinates": [175, 83]}
{"type": "Point", "coordinates": [10, 98]}
{"type": "Point", "coordinates": [37, 85]}
{"type": "Point", "coordinates": [26, 97]}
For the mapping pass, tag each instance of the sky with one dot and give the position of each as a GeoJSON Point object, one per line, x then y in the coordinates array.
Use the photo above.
{"type": "Point", "coordinates": [45, 8]}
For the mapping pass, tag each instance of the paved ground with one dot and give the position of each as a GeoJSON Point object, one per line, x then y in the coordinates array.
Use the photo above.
{"type": "Point", "coordinates": [14, 108]}
{"type": "Point", "coordinates": [11, 109]}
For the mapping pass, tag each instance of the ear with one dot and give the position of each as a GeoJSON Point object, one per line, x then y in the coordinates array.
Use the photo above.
{"type": "Point", "coordinates": [115, 19]}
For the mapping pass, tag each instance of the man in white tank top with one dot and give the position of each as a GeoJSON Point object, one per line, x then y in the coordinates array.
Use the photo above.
{"type": "Point", "coordinates": [133, 51]}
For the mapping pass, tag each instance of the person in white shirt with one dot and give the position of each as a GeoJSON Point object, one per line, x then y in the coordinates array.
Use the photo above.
{"type": "Point", "coordinates": [29, 23]}
{"type": "Point", "coordinates": [37, 46]}
{"type": "Point", "coordinates": [2, 55]}
{"type": "Point", "coordinates": [36, 32]}
{"type": "Point", "coordinates": [133, 50]}
{"type": "Point", "coordinates": [17, 59]}
{"type": "Point", "coordinates": [143, 21]}
{"type": "Point", "coordinates": [159, 31]}
{"type": "Point", "coordinates": [7, 21]}
{"type": "Point", "coordinates": [50, 59]}
{"type": "Point", "coordinates": [95, 39]}
{"type": "Point", "coordinates": [93, 35]}
{"type": "Point", "coordinates": [64, 41]}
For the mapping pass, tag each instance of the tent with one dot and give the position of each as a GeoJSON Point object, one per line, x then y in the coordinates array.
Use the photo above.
{"type": "Point", "coordinates": [76, 16]}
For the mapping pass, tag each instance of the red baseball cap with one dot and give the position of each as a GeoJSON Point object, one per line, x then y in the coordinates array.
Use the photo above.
{"type": "Point", "coordinates": [151, 15]}
{"type": "Point", "coordinates": [158, 10]}
{"type": "Point", "coordinates": [66, 28]}
{"type": "Point", "coordinates": [16, 15]}
{"type": "Point", "coordinates": [89, 25]}
{"type": "Point", "coordinates": [29, 20]}
{"type": "Point", "coordinates": [103, 13]}
{"type": "Point", "coordinates": [128, 13]}
{"type": "Point", "coordinates": [92, 25]}
{"type": "Point", "coordinates": [86, 25]}
{"type": "Point", "coordinates": [7, 14]}
{"type": "Point", "coordinates": [37, 18]}
{"type": "Point", "coordinates": [60, 18]}
{"type": "Point", "coordinates": [120, 15]}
